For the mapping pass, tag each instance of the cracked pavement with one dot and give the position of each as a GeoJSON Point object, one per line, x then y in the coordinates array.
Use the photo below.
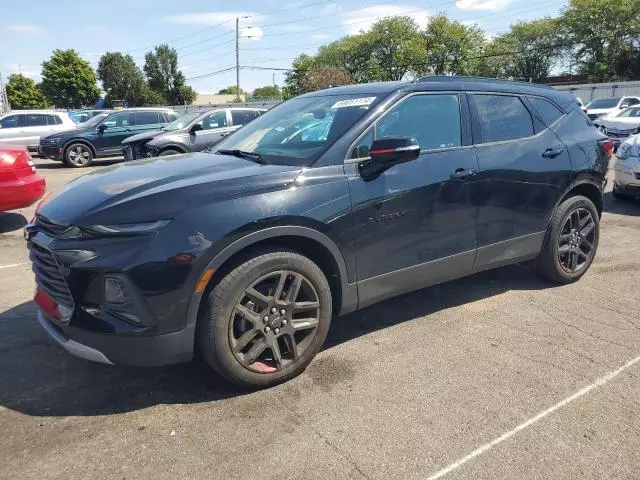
{"type": "Point", "coordinates": [401, 390]}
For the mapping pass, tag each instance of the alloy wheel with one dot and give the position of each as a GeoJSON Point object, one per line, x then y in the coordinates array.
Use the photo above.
{"type": "Point", "coordinates": [274, 322]}
{"type": "Point", "coordinates": [576, 240]}
{"type": "Point", "coordinates": [79, 155]}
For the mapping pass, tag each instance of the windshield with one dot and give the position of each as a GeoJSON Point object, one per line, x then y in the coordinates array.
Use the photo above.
{"type": "Point", "coordinates": [297, 132]}
{"type": "Point", "coordinates": [182, 122]}
{"type": "Point", "coordinates": [630, 112]}
{"type": "Point", "coordinates": [92, 122]}
{"type": "Point", "coordinates": [604, 103]}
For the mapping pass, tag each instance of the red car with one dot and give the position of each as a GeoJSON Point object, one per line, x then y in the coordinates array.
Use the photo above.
{"type": "Point", "coordinates": [20, 185]}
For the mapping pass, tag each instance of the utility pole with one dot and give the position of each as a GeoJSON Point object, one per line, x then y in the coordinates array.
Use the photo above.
{"type": "Point", "coordinates": [238, 59]}
{"type": "Point", "coordinates": [4, 100]}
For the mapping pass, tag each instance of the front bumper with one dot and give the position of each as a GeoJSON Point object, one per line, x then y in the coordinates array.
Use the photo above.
{"type": "Point", "coordinates": [114, 349]}
{"type": "Point", "coordinates": [54, 152]}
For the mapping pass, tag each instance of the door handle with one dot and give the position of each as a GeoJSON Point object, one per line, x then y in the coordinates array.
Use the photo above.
{"type": "Point", "coordinates": [462, 174]}
{"type": "Point", "coordinates": [224, 134]}
{"type": "Point", "coordinates": [552, 152]}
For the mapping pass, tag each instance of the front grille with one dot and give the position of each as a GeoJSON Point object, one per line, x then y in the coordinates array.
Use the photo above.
{"type": "Point", "coordinates": [48, 275]}
{"type": "Point", "coordinates": [44, 225]}
{"type": "Point", "coordinates": [615, 133]}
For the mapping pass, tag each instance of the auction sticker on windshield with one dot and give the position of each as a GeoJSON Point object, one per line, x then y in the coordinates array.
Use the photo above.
{"type": "Point", "coordinates": [354, 102]}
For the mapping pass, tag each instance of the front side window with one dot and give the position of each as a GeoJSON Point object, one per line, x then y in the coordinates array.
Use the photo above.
{"type": "Point", "coordinates": [241, 117]}
{"type": "Point", "coordinates": [502, 117]}
{"type": "Point", "coordinates": [630, 112]}
{"type": "Point", "coordinates": [147, 118]}
{"type": "Point", "coordinates": [119, 120]}
{"type": "Point", "coordinates": [12, 121]}
{"type": "Point", "coordinates": [547, 110]}
{"type": "Point", "coordinates": [217, 119]}
{"type": "Point", "coordinates": [36, 120]}
{"type": "Point", "coordinates": [432, 120]}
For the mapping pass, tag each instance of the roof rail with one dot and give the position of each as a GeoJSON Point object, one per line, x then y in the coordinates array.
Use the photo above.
{"type": "Point", "coordinates": [462, 78]}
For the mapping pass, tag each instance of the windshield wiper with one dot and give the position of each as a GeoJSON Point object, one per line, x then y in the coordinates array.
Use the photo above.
{"type": "Point", "coordinates": [253, 156]}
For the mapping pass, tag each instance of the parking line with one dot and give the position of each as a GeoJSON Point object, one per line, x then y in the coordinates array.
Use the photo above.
{"type": "Point", "coordinates": [487, 446]}
{"type": "Point", "coordinates": [13, 265]}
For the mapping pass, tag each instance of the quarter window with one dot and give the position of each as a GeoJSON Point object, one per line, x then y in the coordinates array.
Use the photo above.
{"type": "Point", "coordinates": [432, 120]}
{"type": "Point", "coordinates": [241, 117]}
{"type": "Point", "coordinates": [54, 120]}
{"type": "Point", "coordinates": [547, 110]}
{"type": "Point", "coordinates": [147, 118]}
{"type": "Point", "coordinates": [502, 117]}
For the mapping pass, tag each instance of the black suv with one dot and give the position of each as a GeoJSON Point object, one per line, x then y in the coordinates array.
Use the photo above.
{"type": "Point", "coordinates": [325, 204]}
{"type": "Point", "coordinates": [101, 136]}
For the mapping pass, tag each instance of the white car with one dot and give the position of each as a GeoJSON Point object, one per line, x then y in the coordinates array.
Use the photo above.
{"type": "Point", "coordinates": [620, 125]}
{"type": "Point", "coordinates": [25, 127]}
{"type": "Point", "coordinates": [606, 106]}
{"type": "Point", "coordinates": [626, 182]}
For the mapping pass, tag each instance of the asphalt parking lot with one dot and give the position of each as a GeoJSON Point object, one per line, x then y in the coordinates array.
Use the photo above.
{"type": "Point", "coordinates": [496, 376]}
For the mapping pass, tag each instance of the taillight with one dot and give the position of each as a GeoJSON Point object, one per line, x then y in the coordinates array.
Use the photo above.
{"type": "Point", "coordinates": [607, 147]}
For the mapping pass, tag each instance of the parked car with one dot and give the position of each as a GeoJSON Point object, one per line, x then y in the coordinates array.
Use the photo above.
{"type": "Point", "coordinates": [626, 182]}
{"type": "Point", "coordinates": [247, 251]}
{"type": "Point", "coordinates": [581, 104]}
{"type": "Point", "coordinates": [620, 125]}
{"type": "Point", "coordinates": [25, 127]}
{"type": "Point", "coordinates": [101, 136]}
{"type": "Point", "coordinates": [81, 116]}
{"type": "Point", "coordinates": [192, 132]}
{"type": "Point", "coordinates": [606, 106]}
{"type": "Point", "coordinates": [20, 184]}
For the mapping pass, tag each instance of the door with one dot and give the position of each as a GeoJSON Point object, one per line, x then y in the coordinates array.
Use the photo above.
{"type": "Point", "coordinates": [112, 131]}
{"type": "Point", "coordinates": [415, 224]}
{"type": "Point", "coordinates": [12, 130]}
{"type": "Point", "coordinates": [523, 170]}
{"type": "Point", "coordinates": [215, 126]}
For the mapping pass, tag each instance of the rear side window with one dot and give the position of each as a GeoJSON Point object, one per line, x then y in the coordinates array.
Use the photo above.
{"type": "Point", "coordinates": [123, 119]}
{"type": "Point", "coordinates": [241, 117]}
{"type": "Point", "coordinates": [547, 110]}
{"type": "Point", "coordinates": [54, 120]}
{"type": "Point", "coordinates": [36, 120]}
{"type": "Point", "coordinates": [502, 117]}
{"type": "Point", "coordinates": [147, 118]}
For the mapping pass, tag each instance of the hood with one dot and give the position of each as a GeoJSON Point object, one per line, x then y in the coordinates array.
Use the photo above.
{"type": "Point", "coordinates": [68, 131]}
{"type": "Point", "coordinates": [600, 111]}
{"type": "Point", "coordinates": [161, 187]}
{"type": "Point", "coordinates": [618, 123]}
{"type": "Point", "coordinates": [143, 136]}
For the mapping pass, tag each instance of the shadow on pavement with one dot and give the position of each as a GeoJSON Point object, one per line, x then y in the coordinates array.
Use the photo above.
{"type": "Point", "coordinates": [40, 379]}
{"type": "Point", "coordinates": [10, 222]}
{"type": "Point", "coordinates": [621, 206]}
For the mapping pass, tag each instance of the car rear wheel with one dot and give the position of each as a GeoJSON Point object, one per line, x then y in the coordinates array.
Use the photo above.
{"type": "Point", "coordinates": [169, 151]}
{"type": "Point", "coordinates": [571, 240]}
{"type": "Point", "coordinates": [266, 319]}
{"type": "Point", "coordinates": [78, 155]}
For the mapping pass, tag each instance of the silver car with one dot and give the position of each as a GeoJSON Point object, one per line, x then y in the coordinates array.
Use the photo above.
{"type": "Point", "coordinates": [25, 127]}
{"type": "Point", "coordinates": [193, 132]}
{"type": "Point", "coordinates": [626, 182]}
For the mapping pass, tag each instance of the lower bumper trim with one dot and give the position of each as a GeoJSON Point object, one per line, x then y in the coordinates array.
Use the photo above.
{"type": "Point", "coordinates": [74, 348]}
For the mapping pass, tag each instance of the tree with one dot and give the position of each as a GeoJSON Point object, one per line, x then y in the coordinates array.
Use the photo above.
{"type": "Point", "coordinates": [23, 93]}
{"type": "Point", "coordinates": [68, 81]}
{"type": "Point", "coordinates": [601, 32]}
{"type": "Point", "coordinates": [529, 51]}
{"type": "Point", "coordinates": [163, 76]}
{"type": "Point", "coordinates": [324, 77]}
{"type": "Point", "coordinates": [293, 79]}
{"type": "Point", "coordinates": [452, 48]}
{"type": "Point", "coordinates": [268, 91]}
{"type": "Point", "coordinates": [230, 90]}
{"type": "Point", "coordinates": [122, 79]}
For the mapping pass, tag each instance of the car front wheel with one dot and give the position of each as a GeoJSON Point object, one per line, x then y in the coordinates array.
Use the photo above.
{"type": "Point", "coordinates": [266, 319]}
{"type": "Point", "coordinates": [78, 155]}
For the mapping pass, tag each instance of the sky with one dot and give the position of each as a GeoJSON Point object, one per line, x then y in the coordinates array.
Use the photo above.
{"type": "Point", "coordinates": [272, 32]}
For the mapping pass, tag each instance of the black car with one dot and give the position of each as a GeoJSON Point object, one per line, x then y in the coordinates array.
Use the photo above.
{"type": "Point", "coordinates": [102, 135]}
{"type": "Point", "coordinates": [326, 204]}
{"type": "Point", "coordinates": [193, 132]}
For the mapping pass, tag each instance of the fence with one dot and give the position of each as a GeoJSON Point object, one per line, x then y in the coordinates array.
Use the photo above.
{"type": "Point", "coordinates": [195, 108]}
{"type": "Point", "coordinates": [593, 91]}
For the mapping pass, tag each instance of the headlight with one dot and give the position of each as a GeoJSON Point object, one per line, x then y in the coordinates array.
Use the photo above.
{"type": "Point", "coordinates": [126, 229]}
{"type": "Point", "coordinates": [53, 139]}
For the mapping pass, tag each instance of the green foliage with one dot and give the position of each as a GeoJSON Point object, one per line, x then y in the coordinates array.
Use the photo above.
{"type": "Point", "coordinates": [230, 90]}
{"type": "Point", "coordinates": [294, 78]}
{"type": "Point", "coordinates": [122, 79]}
{"type": "Point", "coordinates": [268, 91]}
{"type": "Point", "coordinates": [606, 37]}
{"type": "Point", "coordinates": [68, 81]}
{"type": "Point", "coordinates": [452, 48]}
{"type": "Point", "coordinates": [164, 78]}
{"type": "Point", "coordinates": [23, 93]}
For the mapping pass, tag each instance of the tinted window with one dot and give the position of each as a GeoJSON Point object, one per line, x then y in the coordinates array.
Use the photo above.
{"type": "Point", "coordinates": [547, 110]}
{"type": "Point", "coordinates": [148, 118]}
{"type": "Point", "coordinates": [502, 117]}
{"type": "Point", "coordinates": [631, 101]}
{"type": "Point", "coordinates": [35, 120]}
{"type": "Point", "coordinates": [603, 103]}
{"type": "Point", "coordinates": [240, 117]}
{"type": "Point", "coordinates": [630, 112]}
{"type": "Point", "coordinates": [171, 116]}
{"type": "Point", "coordinates": [54, 120]}
{"type": "Point", "coordinates": [361, 149]}
{"type": "Point", "coordinates": [119, 120]}
{"type": "Point", "coordinates": [217, 119]}
{"type": "Point", "coordinates": [10, 121]}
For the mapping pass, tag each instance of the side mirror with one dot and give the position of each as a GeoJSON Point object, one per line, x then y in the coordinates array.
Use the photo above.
{"type": "Point", "coordinates": [196, 128]}
{"type": "Point", "coordinates": [102, 127]}
{"type": "Point", "coordinates": [387, 152]}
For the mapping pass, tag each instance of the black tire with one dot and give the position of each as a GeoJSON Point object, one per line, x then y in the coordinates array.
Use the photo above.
{"type": "Point", "coordinates": [169, 151]}
{"type": "Point", "coordinates": [555, 261]}
{"type": "Point", "coordinates": [219, 320]}
{"type": "Point", "coordinates": [78, 155]}
{"type": "Point", "coordinates": [617, 195]}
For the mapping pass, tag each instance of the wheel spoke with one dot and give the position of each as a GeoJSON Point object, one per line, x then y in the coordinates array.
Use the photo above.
{"type": "Point", "coordinates": [582, 254]}
{"type": "Point", "coordinates": [280, 287]}
{"type": "Point", "coordinates": [277, 355]}
{"type": "Point", "coordinates": [254, 352]}
{"type": "Point", "coordinates": [299, 306]}
{"type": "Point", "coordinates": [583, 223]}
{"type": "Point", "coordinates": [586, 230]}
{"type": "Point", "coordinates": [244, 339]}
{"type": "Point", "coordinates": [303, 323]}
{"type": "Point", "coordinates": [566, 248]}
{"type": "Point", "coordinates": [588, 244]}
{"type": "Point", "coordinates": [294, 289]}
{"type": "Point", "coordinates": [565, 237]}
{"type": "Point", "coordinates": [256, 296]}
{"type": "Point", "coordinates": [293, 346]}
{"type": "Point", "coordinates": [247, 314]}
